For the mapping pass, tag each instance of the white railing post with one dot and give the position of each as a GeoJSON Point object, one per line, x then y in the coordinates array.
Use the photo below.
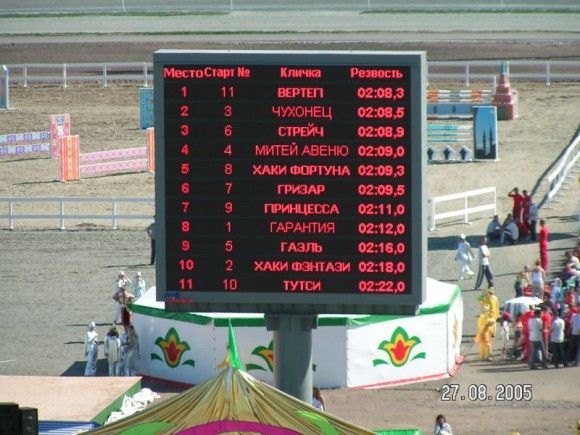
{"type": "Point", "coordinates": [62, 214]}
{"type": "Point", "coordinates": [145, 83]}
{"type": "Point", "coordinates": [64, 75]}
{"type": "Point", "coordinates": [494, 83]}
{"type": "Point", "coordinates": [25, 75]}
{"type": "Point", "coordinates": [105, 84]}
{"type": "Point", "coordinates": [432, 228]}
{"type": "Point", "coordinates": [10, 212]}
{"type": "Point", "coordinates": [114, 214]}
{"type": "Point", "coordinates": [548, 73]}
{"type": "Point", "coordinates": [466, 74]}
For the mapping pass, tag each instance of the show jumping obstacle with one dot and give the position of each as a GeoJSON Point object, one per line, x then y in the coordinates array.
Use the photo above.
{"type": "Point", "coordinates": [75, 165]}
{"type": "Point", "coordinates": [36, 142]}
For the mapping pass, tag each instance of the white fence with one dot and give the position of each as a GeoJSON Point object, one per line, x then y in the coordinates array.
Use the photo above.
{"type": "Point", "coordinates": [465, 210]}
{"type": "Point", "coordinates": [109, 205]}
{"type": "Point", "coordinates": [466, 71]}
{"type": "Point", "coordinates": [567, 164]}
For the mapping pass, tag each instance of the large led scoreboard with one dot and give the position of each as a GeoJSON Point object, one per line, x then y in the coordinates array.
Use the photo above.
{"type": "Point", "coordinates": [290, 182]}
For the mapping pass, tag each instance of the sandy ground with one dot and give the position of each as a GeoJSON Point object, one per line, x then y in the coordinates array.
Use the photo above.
{"type": "Point", "coordinates": [53, 282]}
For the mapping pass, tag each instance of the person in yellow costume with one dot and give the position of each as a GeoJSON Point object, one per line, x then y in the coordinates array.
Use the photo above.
{"type": "Point", "coordinates": [483, 337]}
{"type": "Point", "coordinates": [490, 299]}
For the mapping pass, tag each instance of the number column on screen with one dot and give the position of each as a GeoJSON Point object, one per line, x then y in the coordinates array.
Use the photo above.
{"type": "Point", "coordinates": [185, 262]}
{"type": "Point", "coordinates": [379, 113]}
{"type": "Point", "coordinates": [228, 95]}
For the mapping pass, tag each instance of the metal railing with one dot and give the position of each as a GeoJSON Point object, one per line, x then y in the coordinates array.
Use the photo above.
{"type": "Point", "coordinates": [551, 183]}
{"type": "Point", "coordinates": [465, 210]}
{"type": "Point", "coordinates": [65, 73]}
{"type": "Point", "coordinates": [104, 6]}
{"type": "Point", "coordinates": [464, 71]}
{"type": "Point", "coordinates": [113, 215]}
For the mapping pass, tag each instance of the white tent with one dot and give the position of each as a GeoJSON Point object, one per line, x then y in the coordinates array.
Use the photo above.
{"type": "Point", "coordinates": [519, 305]}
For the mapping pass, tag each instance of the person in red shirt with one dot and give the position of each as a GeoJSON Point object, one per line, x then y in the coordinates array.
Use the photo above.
{"type": "Point", "coordinates": [546, 325]}
{"type": "Point", "coordinates": [526, 331]}
{"type": "Point", "coordinates": [543, 238]}
{"type": "Point", "coordinates": [526, 204]}
{"type": "Point", "coordinates": [518, 199]}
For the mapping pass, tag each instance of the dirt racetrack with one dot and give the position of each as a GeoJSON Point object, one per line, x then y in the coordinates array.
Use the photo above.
{"type": "Point", "coordinates": [52, 283]}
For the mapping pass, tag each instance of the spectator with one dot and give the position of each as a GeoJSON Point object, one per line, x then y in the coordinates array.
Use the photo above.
{"type": "Point", "coordinates": [494, 229]}
{"type": "Point", "coordinates": [536, 341]}
{"type": "Point", "coordinates": [575, 336]}
{"type": "Point", "coordinates": [441, 426]}
{"type": "Point", "coordinates": [317, 399]}
{"type": "Point", "coordinates": [121, 282]}
{"type": "Point", "coordinates": [511, 233]}
{"type": "Point", "coordinates": [522, 281]}
{"type": "Point", "coordinates": [125, 298]}
{"type": "Point", "coordinates": [538, 279]}
{"type": "Point", "coordinates": [557, 342]}
{"type": "Point", "coordinates": [484, 267]}
{"type": "Point", "coordinates": [556, 295]}
{"type": "Point", "coordinates": [526, 205]}
{"type": "Point", "coordinates": [543, 238]}
{"type": "Point", "coordinates": [526, 317]}
{"type": "Point", "coordinates": [113, 351]}
{"type": "Point", "coordinates": [572, 260]}
{"type": "Point", "coordinates": [533, 218]}
{"type": "Point", "coordinates": [151, 231]}
{"type": "Point", "coordinates": [91, 350]}
{"type": "Point", "coordinates": [505, 333]}
{"type": "Point", "coordinates": [139, 286]}
{"type": "Point", "coordinates": [131, 352]}
{"type": "Point", "coordinates": [546, 325]}
{"type": "Point", "coordinates": [518, 336]}
{"type": "Point", "coordinates": [464, 255]}
{"type": "Point", "coordinates": [518, 202]}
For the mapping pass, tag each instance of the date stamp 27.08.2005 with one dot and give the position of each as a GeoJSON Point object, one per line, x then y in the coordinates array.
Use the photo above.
{"type": "Point", "coordinates": [481, 392]}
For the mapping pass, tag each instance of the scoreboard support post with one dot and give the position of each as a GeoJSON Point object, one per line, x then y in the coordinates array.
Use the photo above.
{"type": "Point", "coordinates": [293, 353]}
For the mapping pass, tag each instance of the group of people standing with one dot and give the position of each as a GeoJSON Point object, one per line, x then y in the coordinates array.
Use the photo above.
{"type": "Point", "coordinates": [544, 336]}
{"type": "Point", "coordinates": [121, 350]}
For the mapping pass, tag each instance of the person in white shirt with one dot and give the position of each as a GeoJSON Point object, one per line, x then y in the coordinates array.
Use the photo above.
{"type": "Point", "coordinates": [91, 350]}
{"type": "Point", "coordinates": [317, 399]}
{"type": "Point", "coordinates": [484, 267]}
{"type": "Point", "coordinates": [138, 286]}
{"type": "Point", "coordinates": [441, 426]}
{"type": "Point", "coordinates": [494, 231]}
{"type": "Point", "coordinates": [505, 333]}
{"type": "Point", "coordinates": [113, 352]}
{"type": "Point", "coordinates": [511, 233]}
{"type": "Point", "coordinates": [537, 350]}
{"type": "Point", "coordinates": [557, 341]}
{"type": "Point", "coordinates": [464, 255]}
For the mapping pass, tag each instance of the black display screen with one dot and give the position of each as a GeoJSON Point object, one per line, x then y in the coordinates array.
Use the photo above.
{"type": "Point", "coordinates": [284, 181]}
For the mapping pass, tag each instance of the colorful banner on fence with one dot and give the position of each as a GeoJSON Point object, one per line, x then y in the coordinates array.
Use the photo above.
{"type": "Point", "coordinates": [59, 127]}
{"type": "Point", "coordinates": [69, 151]}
